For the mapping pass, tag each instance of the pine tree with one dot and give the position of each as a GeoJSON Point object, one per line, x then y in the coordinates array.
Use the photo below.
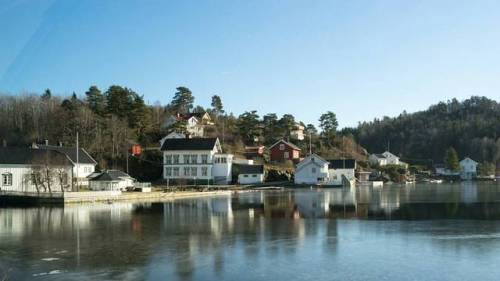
{"type": "Point", "coordinates": [451, 160]}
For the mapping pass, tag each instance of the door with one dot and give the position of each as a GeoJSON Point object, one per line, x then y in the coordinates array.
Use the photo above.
{"type": "Point", "coordinates": [285, 155]}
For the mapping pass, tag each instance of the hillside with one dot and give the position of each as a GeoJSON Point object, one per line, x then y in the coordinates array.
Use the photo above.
{"type": "Point", "coordinates": [471, 126]}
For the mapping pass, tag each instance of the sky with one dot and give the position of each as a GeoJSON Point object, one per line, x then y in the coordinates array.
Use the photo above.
{"type": "Point", "coordinates": [362, 59]}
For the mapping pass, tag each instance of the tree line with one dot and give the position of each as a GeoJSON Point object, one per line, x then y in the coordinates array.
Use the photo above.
{"type": "Point", "coordinates": [110, 121]}
{"type": "Point", "coordinates": [470, 127]}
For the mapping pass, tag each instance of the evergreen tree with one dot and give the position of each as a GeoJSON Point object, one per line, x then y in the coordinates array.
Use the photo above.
{"type": "Point", "coordinates": [119, 101]}
{"type": "Point", "coordinates": [217, 105]}
{"type": "Point", "coordinates": [451, 160]}
{"type": "Point", "coordinates": [183, 100]}
{"type": "Point", "coordinates": [328, 123]}
{"type": "Point", "coordinates": [96, 100]}
{"type": "Point", "coordinates": [248, 125]}
{"type": "Point", "coordinates": [46, 95]}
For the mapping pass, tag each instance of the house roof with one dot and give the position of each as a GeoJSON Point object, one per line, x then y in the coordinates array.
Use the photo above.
{"type": "Point", "coordinates": [378, 155]}
{"type": "Point", "coordinates": [467, 158]}
{"type": "Point", "coordinates": [110, 175]}
{"type": "Point", "coordinates": [250, 169]}
{"type": "Point", "coordinates": [83, 156]}
{"type": "Point", "coordinates": [342, 164]}
{"type": "Point", "coordinates": [28, 156]}
{"type": "Point", "coordinates": [189, 144]}
{"type": "Point", "coordinates": [286, 143]}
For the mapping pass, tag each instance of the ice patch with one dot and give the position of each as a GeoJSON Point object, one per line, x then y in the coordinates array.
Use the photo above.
{"type": "Point", "coordinates": [50, 259]}
{"type": "Point", "coordinates": [465, 237]}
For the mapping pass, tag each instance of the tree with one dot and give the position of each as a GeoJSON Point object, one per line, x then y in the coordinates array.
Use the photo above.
{"type": "Point", "coordinates": [96, 100]}
{"type": "Point", "coordinates": [248, 126]}
{"type": "Point", "coordinates": [46, 95]}
{"type": "Point", "coordinates": [183, 100]}
{"type": "Point", "coordinates": [217, 105]}
{"type": "Point", "coordinates": [119, 101]}
{"type": "Point", "coordinates": [72, 104]}
{"type": "Point", "coordinates": [486, 169]}
{"type": "Point", "coordinates": [451, 160]}
{"type": "Point", "coordinates": [328, 123]}
{"type": "Point", "coordinates": [287, 123]}
{"type": "Point", "coordinates": [311, 130]}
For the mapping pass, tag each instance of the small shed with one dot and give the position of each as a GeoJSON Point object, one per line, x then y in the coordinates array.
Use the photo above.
{"type": "Point", "coordinates": [251, 174]}
{"type": "Point", "coordinates": [111, 180]}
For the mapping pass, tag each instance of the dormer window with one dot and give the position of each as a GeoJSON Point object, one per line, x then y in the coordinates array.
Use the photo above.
{"type": "Point", "coordinates": [282, 147]}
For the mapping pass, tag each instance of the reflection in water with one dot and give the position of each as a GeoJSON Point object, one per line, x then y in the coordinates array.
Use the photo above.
{"type": "Point", "coordinates": [286, 235]}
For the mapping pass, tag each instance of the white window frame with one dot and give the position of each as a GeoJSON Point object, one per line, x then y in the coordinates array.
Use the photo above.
{"type": "Point", "coordinates": [176, 159]}
{"type": "Point", "coordinates": [204, 159]}
{"type": "Point", "coordinates": [168, 159]}
{"type": "Point", "coordinates": [282, 146]}
{"type": "Point", "coordinates": [204, 171]}
{"type": "Point", "coordinates": [168, 171]}
{"type": "Point", "coordinates": [194, 171]}
{"type": "Point", "coordinates": [176, 171]}
{"type": "Point", "coordinates": [7, 179]}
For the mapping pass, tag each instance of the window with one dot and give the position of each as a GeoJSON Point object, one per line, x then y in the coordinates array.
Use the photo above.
{"type": "Point", "coordinates": [286, 155]}
{"type": "Point", "coordinates": [246, 176]}
{"type": "Point", "coordinates": [7, 179]}
{"type": "Point", "coordinates": [313, 170]}
{"type": "Point", "coordinates": [204, 171]}
{"type": "Point", "coordinates": [254, 176]}
{"type": "Point", "coordinates": [204, 159]}
{"type": "Point", "coordinates": [186, 158]}
{"type": "Point", "coordinates": [194, 171]}
{"type": "Point", "coordinates": [221, 160]}
{"type": "Point", "coordinates": [176, 170]}
{"type": "Point", "coordinates": [176, 159]}
{"type": "Point", "coordinates": [282, 147]}
{"type": "Point", "coordinates": [186, 171]}
{"type": "Point", "coordinates": [168, 159]}
{"type": "Point", "coordinates": [194, 159]}
{"type": "Point", "coordinates": [168, 171]}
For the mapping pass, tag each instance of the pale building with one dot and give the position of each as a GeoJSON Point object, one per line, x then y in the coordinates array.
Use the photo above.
{"type": "Point", "coordinates": [342, 172]}
{"type": "Point", "coordinates": [468, 169]}
{"type": "Point", "coordinates": [196, 159]}
{"type": "Point", "coordinates": [111, 180]}
{"type": "Point", "coordinates": [312, 170]}
{"type": "Point", "coordinates": [250, 174]}
{"type": "Point", "coordinates": [32, 170]}
{"type": "Point", "coordinates": [83, 163]}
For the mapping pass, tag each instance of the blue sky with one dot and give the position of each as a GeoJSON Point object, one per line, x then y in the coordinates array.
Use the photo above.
{"type": "Point", "coordinates": [360, 59]}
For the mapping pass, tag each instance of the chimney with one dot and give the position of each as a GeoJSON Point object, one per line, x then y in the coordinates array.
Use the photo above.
{"type": "Point", "coordinates": [46, 142]}
{"type": "Point", "coordinates": [4, 143]}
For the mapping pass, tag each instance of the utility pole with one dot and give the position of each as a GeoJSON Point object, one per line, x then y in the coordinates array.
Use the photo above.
{"type": "Point", "coordinates": [310, 144]}
{"type": "Point", "coordinates": [77, 162]}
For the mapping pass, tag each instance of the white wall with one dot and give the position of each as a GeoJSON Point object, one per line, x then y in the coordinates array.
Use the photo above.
{"type": "Point", "coordinates": [21, 178]}
{"type": "Point", "coordinates": [223, 170]}
{"type": "Point", "coordinates": [181, 165]}
{"type": "Point", "coordinates": [111, 185]}
{"type": "Point", "coordinates": [250, 178]}
{"type": "Point", "coordinates": [305, 174]}
{"type": "Point", "coordinates": [335, 175]}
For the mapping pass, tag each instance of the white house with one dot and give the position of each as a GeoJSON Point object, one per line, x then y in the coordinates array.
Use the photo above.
{"type": "Point", "coordinates": [83, 163]}
{"type": "Point", "coordinates": [342, 172]}
{"type": "Point", "coordinates": [297, 132]}
{"type": "Point", "coordinates": [468, 169]}
{"type": "Point", "coordinates": [386, 158]}
{"type": "Point", "coordinates": [312, 170]}
{"type": "Point", "coordinates": [250, 174]}
{"type": "Point", "coordinates": [111, 180]}
{"type": "Point", "coordinates": [34, 170]}
{"type": "Point", "coordinates": [195, 122]}
{"type": "Point", "coordinates": [196, 159]}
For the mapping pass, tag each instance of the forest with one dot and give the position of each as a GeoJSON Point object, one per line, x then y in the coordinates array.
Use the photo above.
{"type": "Point", "coordinates": [109, 122]}
{"type": "Point", "coordinates": [471, 127]}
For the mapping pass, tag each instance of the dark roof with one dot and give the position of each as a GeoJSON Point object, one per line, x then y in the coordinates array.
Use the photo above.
{"type": "Point", "coordinates": [83, 156]}
{"type": "Point", "coordinates": [379, 155]}
{"type": "Point", "coordinates": [189, 144]}
{"type": "Point", "coordinates": [342, 164]}
{"type": "Point", "coordinates": [23, 156]}
{"type": "Point", "coordinates": [110, 175]}
{"type": "Point", "coordinates": [287, 143]}
{"type": "Point", "coordinates": [250, 169]}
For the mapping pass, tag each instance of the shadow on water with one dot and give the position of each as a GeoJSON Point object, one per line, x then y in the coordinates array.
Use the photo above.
{"type": "Point", "coordinates": [279, 235]}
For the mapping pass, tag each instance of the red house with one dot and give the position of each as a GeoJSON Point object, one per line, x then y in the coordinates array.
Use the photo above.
{"type": "Point", "coordinates": [283, 150]}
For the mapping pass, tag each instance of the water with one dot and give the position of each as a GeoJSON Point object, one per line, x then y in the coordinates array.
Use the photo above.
{"type": "Point", "coordinates": [422, 232]}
